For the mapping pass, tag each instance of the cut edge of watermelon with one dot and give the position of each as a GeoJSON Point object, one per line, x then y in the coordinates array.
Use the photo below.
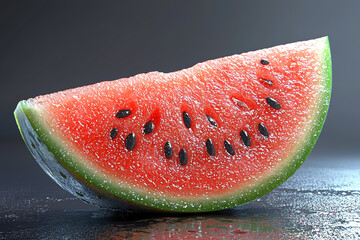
{"type": "Point", "coordinates": [147, 200]}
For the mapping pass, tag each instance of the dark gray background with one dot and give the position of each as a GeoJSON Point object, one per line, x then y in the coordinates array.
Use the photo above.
{"type": "Point", "coordinates": [47, 46]}
{"type": "Point", "coordinates": [52, 45]}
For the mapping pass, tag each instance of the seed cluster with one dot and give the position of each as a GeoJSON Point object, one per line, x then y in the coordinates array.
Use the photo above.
{"type": "Point", "coordinates": [113, 133]}
{"type": "Point", "coordinates": [268, 81]}
{"type": "Point", "coordinates": [264, 62]}
{"type": "Point", "coordinates": [211, 120]}
{"type": "Point", "coordinates": [245, 138]}
{"type": "Point", "coordinates": [168, 150]}
{"type": "Point", "coordinates": [130, 141]}
{"type": "Point", "coordinates": [229, 148]}
{"type": "Point", "coordinates": [149, 127]}
{"type": "Point", "coordinates": [263, 130]}
{"type": "Point", "coordinates": [123, 113]}
{"type": "Point", "coordinates": [210, 147]}
{"type": "Point", "coordinates": [187, 119]}
{"type": "Point", "coordinates": [183, 157]}
{"type": "Point", "coordinates": [273, 103]}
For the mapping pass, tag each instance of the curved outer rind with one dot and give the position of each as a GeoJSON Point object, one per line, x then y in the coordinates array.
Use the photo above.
{"type": "Point", "coordinates": [64, 176]}
{"type": "Point", "coordinates": [54, 158]}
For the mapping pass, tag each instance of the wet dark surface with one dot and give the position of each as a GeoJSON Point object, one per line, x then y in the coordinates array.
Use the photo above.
{"type": "Point", "coordinates": [48, 46]}
{"type": "Point", "coordinates": [321, 201]}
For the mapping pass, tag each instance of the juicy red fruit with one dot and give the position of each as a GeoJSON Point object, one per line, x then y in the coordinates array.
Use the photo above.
{"type": "Point", "coordinates": [184, 123]}
{"type": "Point", "coordinates": [214, 130]}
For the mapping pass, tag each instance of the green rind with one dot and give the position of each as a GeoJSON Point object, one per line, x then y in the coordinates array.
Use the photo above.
{"type": "Point", "coordinates": [250, 193]}
{"type": "Point", "coordinates": [303, 151]}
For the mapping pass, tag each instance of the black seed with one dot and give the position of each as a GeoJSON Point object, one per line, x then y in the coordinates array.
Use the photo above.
{"type": "Point", "coordinates": [33, 145]}
{"type": "Point", "coordinates": [85, 201]}
{"type": "Point", "coordinates": [263, 130]}
{"type": "Point", "coordinates": [149, 127]}
{"type": "Point", "coordinates": [273, 103]}
{"type": "Point", "coordinates": [183, 157]}
{"type": "Point", "coordinates": [239, 103]}
{"type": "Point", "coordinates": [123, 113]}
{"type": "Point", "coordinates": [187, 119]}
{"type": "Point", "coordinates": [130, 141]}
{"type": "Point", "coordinates": [113, 133]}
{"type": "Point", "coordinates": [268, 82]}
{"type": "Point", "coordinates": [229, 148]}
{"type": "Point", "coordinates": [245, 138]}
{"type": "Point", "coordinates": [168, 150]}
{"type": "Point", "coordinates": [264, 62]}
{"type": "Point", "coordinates": [211, 120]}
{"type": "Point", "coordinates": [62, 174]}
{"type": "Point", "coordinates": [79, 194]}
{"type": "Point", "coordinates": [210, 147]}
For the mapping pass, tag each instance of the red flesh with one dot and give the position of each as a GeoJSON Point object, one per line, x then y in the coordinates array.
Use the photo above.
{"type": "Point", "coordinates": [84, 119]}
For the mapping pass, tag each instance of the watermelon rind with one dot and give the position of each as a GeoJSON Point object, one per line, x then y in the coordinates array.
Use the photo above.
{"type": "Point", "coordinates": [82, 181]}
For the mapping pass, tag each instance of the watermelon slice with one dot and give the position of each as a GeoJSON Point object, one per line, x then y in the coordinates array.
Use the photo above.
{"type": "Point", "coordinates": [210, 137]}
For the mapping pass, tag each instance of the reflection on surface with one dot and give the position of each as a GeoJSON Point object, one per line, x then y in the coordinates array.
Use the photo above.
{"type": "Point", "coordinates": [42, 217]}
{"type": "Point", "coordinates": [321, 201]}
{"type": "Point", "coordinates": [220, 224]}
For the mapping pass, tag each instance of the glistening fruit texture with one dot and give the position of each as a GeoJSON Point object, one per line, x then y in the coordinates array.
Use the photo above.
{"type": "Point", "coordinates": [210, 137]}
